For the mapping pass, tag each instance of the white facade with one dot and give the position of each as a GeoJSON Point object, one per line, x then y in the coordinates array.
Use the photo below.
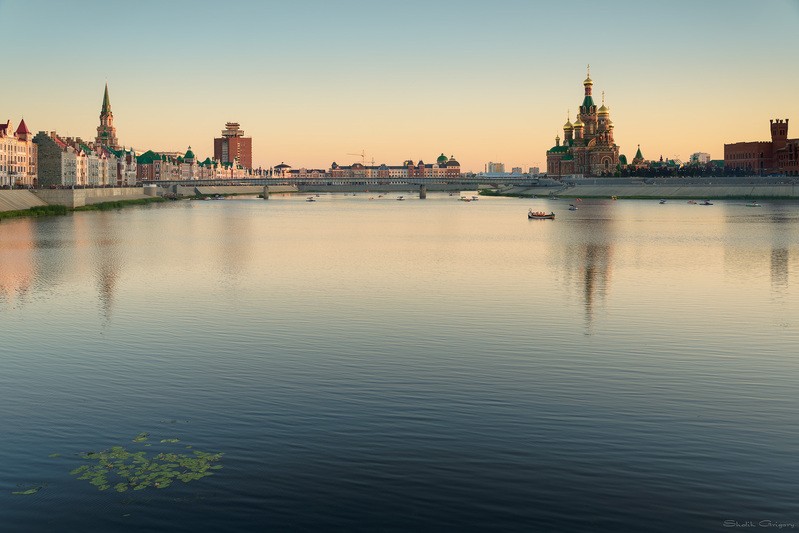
{"type": "Point", "coordinates": [700, 157]}
{"type": "Point", "coordinates": [17, 156]}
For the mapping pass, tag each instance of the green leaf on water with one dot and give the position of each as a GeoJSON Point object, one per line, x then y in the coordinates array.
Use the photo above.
{"type": "Point", "coordinates": [54, 455]}
{"type": "Point", "coordinates": [28, 492]}
{"type": "Point", "coordinates": [141, 437]}
{"type": "Point", "coordinates": [170, 440]}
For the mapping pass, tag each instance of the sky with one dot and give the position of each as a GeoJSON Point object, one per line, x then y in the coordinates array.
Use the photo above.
{"type": "Point", "coordinates": [314, 81]}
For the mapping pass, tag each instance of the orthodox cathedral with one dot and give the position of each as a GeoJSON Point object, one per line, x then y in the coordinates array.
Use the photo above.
{"type": "Point", "coordinates": [588, 147]}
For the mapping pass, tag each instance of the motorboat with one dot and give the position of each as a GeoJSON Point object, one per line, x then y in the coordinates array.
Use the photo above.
{"type": "Point", "coordinates": [753, 204]}
{"type": "Point", "coordinates": [540, 215]}
{"type": "Point", "coordinates": [310, 199]}
{"type": "Point", "coordinates": [400, 198]}
{"type": "Point", "coordinates": [475, 198]}
{"type": "Point", "coordinates": [706, 202]}
{"type": "Point", "coordinates": [692, 202]}
{"type": "Point", "coordinates": [662, 202]}
{"type": "Point", "coordinates": [572, 207]}
{"type": "Point", "coordinates": [464, 199]}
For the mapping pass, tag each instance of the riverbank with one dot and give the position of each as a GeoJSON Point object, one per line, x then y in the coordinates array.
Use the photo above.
{"type": "Point", "coordinates": [643, 190]}
{"type": "Point", "coordinates": [60, 210]}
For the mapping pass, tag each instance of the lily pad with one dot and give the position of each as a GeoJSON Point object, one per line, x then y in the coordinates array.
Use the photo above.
{"type": "Point", "coordinates": [124, 470]}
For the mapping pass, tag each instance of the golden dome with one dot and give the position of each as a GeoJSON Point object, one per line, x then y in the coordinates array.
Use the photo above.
{"type": "Point", "coordinates": [578, 123]}
{"type": "Point", "coordinates": [568, 125]}
{"type": "Point", "coordinates": [603, 110]}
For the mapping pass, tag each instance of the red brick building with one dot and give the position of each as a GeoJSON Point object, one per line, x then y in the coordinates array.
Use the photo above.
{"type": "Point", "coordinates": [233, 145]}
{"type": "Point", "coordinates": [778, 156]}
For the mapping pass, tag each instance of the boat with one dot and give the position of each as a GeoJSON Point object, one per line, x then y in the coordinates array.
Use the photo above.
{"type": "Point", "coordinates": [464, 199]}
{"type": "Point", "coordinates": [753, 204]}
{"type": "Point", "coordinates": [572, 207]}
{"type": "Point", "coordinates": [706, 202]}
{"type": "Point", "coordinates": [692, 201]}
{"type": "Point", "coordinates": [662, 202]}
{"type": "Point", "coordinates": [217, 197]}
{"type": "Point", "coordinates": [475, 198]}
{"type": "Point", "coordinates": [310, 199]}
{"type": "Point", "coordinates": [540, 215]}
{"type": "Point", "coordinates": [400, 198]}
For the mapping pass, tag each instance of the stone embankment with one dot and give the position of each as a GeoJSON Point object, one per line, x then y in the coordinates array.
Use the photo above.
{"type": "Point", "coordinates": [19, 200]}
{"type": "Point", "coordinates": [674, 188]}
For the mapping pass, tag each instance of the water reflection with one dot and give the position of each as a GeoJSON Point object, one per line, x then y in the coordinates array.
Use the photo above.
{"type": "Point", "coordinates": [17, 266]}
{"type": "Point", "coordinates": [588, 244]}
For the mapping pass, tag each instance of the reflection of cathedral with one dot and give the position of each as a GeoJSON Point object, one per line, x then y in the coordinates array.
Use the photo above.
{"type": "Point", "coordinates": [588, 147]}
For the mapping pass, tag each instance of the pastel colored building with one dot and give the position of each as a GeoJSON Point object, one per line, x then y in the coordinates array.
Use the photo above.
{"type": "Point", "coordinates": [18, 156]}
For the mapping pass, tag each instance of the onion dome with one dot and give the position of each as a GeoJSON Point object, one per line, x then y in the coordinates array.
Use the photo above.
{"type": "Point", "coordinates": [189, 154]}
{"type": "Point", "coordinates": [602, 110]}
{"type": "Point", "coordinates": [578, 123]}
{"type": "Point", "coordinates": [588, 81]}
{"type": "Point", "coordinates": [568, 125]}
{"type": "Point", "coordinates": [451, 162]}
{"type": "Point", "coordinates": [442, 159]}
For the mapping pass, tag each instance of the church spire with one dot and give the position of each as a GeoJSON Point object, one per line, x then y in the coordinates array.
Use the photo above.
{"type": "Point", "coordinates": [106, 102]}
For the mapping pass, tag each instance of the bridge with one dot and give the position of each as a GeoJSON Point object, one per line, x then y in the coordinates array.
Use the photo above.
{"type": "Point", "coordinates": [470, 181]}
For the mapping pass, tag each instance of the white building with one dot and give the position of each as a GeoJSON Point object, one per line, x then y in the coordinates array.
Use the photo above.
{"type": "Point", "coordinates": [495, 168]}
{"type": "Point", "coordinates": [702, 158]}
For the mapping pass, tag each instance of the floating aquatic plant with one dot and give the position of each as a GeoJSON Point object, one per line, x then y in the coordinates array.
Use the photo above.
{"type": "Point", "coordinates": [124, 470]}
{"type": "Point", "coordinates": [28, 491]}
{"type": "Point", "coordinates": [172, 441]}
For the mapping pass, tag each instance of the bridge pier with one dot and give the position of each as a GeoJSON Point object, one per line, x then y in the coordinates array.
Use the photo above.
{"type": "Point", "coordinates": [422, 192]}
{"type": "Point", "coordinates": [266, 192]}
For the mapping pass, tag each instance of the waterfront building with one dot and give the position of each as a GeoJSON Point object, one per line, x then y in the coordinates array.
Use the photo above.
{"type": "Point", "coordinates": [106, 132]}
{"type": "Point", "coordinates": [588, 147]}
{"type": "Point", "coordinates": [18, 156]}
{"type": "Point", "coordinates": [57, 161]}
{"type": "Point", "coordinates": [444, 168]}
{"type": "Point", "coordinates": [780, 155]}
{"type": "Point", "coordinates": [701, 158]}
{"type": "Point", "coordinates": [233, 146]}
{"type": "Point", "coordinates": [516, 170]}
{"type": "Point", "coordinates": [534, 171]}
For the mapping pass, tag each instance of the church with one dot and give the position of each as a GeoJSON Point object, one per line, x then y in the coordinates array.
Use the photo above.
{"type": "Point", "coordinates": [588, 147]}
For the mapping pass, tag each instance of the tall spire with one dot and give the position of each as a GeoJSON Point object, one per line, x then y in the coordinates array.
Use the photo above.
{"type": "Point", "coordinates": [106, 102]}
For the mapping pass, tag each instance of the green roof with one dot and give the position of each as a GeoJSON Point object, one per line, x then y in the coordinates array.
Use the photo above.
{"type": "Point", "coordinates": [106, 102]}
{"type": "Point", "coordinates": [588, 101]}
{"type": "Point", "coordinates": [189, 154]}
{"type": "Point", "coordinates": [623, 159]}
{"type": "Point", "coordinates": [559, 149]}
{"type": "Point", "coordinates": [441, 159]}
{"type": "Point", "coordinates": [638, 154]}
{"type": "Point", "coordinates": [147, 158]}
{"type": "Point", "coordinates": [568, 157]}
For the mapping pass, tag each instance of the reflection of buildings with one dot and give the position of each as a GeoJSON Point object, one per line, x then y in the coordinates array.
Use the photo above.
{"type": "Point", "coordinates": [16, 259]}
{"type": "Point", "coordinates": [589, 263]}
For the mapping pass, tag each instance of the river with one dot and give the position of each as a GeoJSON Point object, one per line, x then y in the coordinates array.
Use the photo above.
{"type": "Point", "coordinates": [366, 364]}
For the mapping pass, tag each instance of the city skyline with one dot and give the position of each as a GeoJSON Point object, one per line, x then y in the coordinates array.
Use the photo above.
{"type": "Point", "coordinates": [312, 84]}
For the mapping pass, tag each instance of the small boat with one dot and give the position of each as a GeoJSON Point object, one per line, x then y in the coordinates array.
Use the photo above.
{"type": "Point", "coordinates": [753, 204]}
{"type": "Point", "coordinates": [706, 202]}
{"type": "Point", "coordinates": [475, 198]}
{"type": "Point", "coordinates": [692, 201]}
{"type": "Point", "coordinates": [662, 202]}
{"type": "Point", "coordinates": [310, 199]}
{"type": "Point", "coordinates": [540, 215]}
{"type": "Point", "coordinates": [217, 197]}
{"type": "Point", "coordinates": [572, 207]}
{"type": "Point", "coordinates": [464, 199]}
{"type": "Point", "coordinates": [400, 198]}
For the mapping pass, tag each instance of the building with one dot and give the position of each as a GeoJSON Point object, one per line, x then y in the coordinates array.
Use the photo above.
{"type": "Point", "coordinates": [701, 158]}
{"type": "Point", "coordinates": [233, 146]}
{"type": "Point", "coordinates": [588, 147]}
{"type": "Point", "coordinates": [106, 132]}
{"type": "Point", "coordinates": [516, 170]}
{"type": "Point", "coordinates": [494, 168]}
{"type": "Point", "coordinates": [445, 168]}
{"type": "Point", "coordinates": [778, 156]}
{"type": "Point", "coordinates": [66, 161]}
{"type": "Point", "coordinates": [534, 171]}
{"type": "Point", "coordinates": [18, 156]}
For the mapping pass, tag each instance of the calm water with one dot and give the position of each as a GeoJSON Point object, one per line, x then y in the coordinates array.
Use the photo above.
{"type": "Point", "coordinates": [391, 366]}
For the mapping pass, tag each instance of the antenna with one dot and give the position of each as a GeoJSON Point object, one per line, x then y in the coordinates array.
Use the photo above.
{"type": "Point", "coordinates": [362, 155]}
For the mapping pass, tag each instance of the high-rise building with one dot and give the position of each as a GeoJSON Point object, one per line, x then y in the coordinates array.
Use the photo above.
{"type": "Point", "coordinates": [106, 132]}
{"type": "Point", "coordinates": [233, 146]}
{"type": "Point", "coordinates": [495, 168]}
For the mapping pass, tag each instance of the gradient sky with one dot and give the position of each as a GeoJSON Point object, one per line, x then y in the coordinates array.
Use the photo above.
{"type": "Point", "coordinates": [313, 80]}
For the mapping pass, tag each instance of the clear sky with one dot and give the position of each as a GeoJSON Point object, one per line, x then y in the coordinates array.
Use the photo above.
{"type": "Point", "coordinates": [314, 80]}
